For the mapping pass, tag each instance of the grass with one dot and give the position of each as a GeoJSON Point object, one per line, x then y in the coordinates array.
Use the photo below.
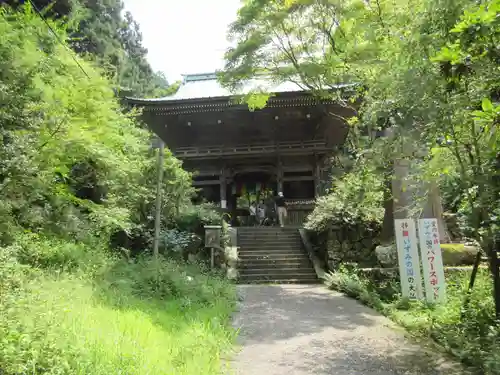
{"type": "Point", "coordinates": [127, 319]}
{"type": "Point", "coordinates": [470, 334]}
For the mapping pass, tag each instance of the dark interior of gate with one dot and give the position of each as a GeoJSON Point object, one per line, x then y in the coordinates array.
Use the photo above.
{"type": "Point", "coordinates": [240, 156]}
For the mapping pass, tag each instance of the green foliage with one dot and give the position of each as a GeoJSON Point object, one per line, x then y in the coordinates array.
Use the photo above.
{"type": "Point", "coordinates": [75, 173]}
{"type": "Point", "coordinates": [356, 198]}
{"type": "Point", "coordinates": [103, 32]}
{"type": "Point", "coordinates": [349, 282]}
{"type": "Point", "coordinates": [427, 70]}
{"type": "Point", "coordinates": [194, 218]}
{"type": "Point", "coordinates": [72, 163]}
{"type": "Point", "coordinates": [53, 119]}
{"type": "Point", "coordinates": [470, 334]}
{"type": "Point", "coordinates": [73, 324]}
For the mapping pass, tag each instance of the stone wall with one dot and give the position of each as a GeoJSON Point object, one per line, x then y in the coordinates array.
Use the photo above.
{"type": "Point", "coordinates": [346, 244]}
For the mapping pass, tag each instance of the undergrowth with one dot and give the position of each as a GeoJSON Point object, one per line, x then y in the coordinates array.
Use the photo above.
{"type": "Point", "coordinates": [110, 316]}
{"type": "Point", "coordinates": [468, 333]}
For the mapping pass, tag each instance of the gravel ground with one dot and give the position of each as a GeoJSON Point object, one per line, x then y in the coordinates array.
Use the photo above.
{"type": "Point", "coordinates": [297, 330]}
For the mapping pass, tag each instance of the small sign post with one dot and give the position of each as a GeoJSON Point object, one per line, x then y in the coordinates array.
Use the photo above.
{"type": "Point", "coordinates": [409, 262]}
{"type": "Point", "coordinates": [213, 241]}
{"type": "Point", "coordinates": [432, 260]}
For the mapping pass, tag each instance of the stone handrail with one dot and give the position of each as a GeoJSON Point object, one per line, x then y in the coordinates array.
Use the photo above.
{"type": "Point", "coordinates": [320, 272]}
{"type": "Point", "coordinates": [231, 254]}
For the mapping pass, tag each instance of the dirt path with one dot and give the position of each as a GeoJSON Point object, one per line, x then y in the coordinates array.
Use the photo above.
{"type": "Point", "coordinates": [297, 330]}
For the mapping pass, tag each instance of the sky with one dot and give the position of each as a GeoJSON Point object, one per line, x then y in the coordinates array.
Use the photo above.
{"type": "Point", "coordinates": [184, 36]}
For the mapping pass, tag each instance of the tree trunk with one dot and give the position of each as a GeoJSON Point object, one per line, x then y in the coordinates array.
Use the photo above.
{"type": "Point", "coordinates": [433, 208]}
{"type": "Point", "coordinates": [387, 234]}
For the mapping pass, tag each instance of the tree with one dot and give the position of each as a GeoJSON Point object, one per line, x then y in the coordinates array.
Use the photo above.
{"type": "Point", "coordinates": [72, 164]}
{"type": "Point", "coordinates": [321, 44]}
{"type": "Point", "coordinates": [428, 72]}
{"type": "Point", "coordinates": [96, 29]}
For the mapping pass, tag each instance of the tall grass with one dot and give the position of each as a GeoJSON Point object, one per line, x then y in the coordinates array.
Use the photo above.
{"type": "Point", "coordinates": [136, 318]}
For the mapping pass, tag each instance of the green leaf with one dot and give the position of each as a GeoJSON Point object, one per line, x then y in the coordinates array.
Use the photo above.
{"type": "Point", "coordinates": [487, 105]}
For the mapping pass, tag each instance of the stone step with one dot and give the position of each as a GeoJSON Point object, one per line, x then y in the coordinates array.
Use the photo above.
{"type": "Point", "coordinates": [283, 281]}
{"type": "Point", "coordinates": [267, 229]}
{"type": "Point", "coordinates": [294, 232]}
{"type": "Point", "coordinates": [270, 254]}
{"type": "Point", "coordinates": [270, 238]}
{"type": "Point", "coordinates": [269, 235]}
{"type": "Point", "coordinates": [277, 271]}
{"type": "Point", "coordinates": [278, 258]}
{"type": "Point", "coordinates": [260, 241]}
{"type": "Point", "coordinates": [288, 241]}
{"type": "Point", "coordinates": [268, 242]}
{"type": "Point", "coordinates": [275, 277]}
{"type": "Point", "coordinates": [269, 247]}
{"type": "Point", "coordinates": [270, 250]}
{"type": "Point", "coordinates": [271, 264]}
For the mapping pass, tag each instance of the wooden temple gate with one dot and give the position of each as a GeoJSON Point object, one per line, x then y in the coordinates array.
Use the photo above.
{"type": "Point", "coordinates": [284, 146]}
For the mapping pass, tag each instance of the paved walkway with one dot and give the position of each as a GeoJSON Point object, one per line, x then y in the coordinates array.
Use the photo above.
{"type": "Point", "coordinates": [297, 330]}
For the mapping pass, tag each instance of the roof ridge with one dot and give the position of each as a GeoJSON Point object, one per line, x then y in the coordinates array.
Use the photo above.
{"type": "Point", "coordinates": [196, 77]}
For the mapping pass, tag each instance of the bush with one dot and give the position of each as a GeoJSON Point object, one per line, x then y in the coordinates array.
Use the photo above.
{"type": "Point", "coordinates": [53, 253]}
{"type": "Point", "coordinates": [355, 199]}
{"type": "Point", "coordinates": [179, 244]}
{"type": "Point", "coordinates": [192, 219]}
{"type": "Point", "coordinates": [345, 224]}
{"type": "Point", "coordinates": [165, 280]}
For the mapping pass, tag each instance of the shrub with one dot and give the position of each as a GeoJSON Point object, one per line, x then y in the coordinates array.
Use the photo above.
{"type": "Point", "coordinates": [165, 280]}
{"type": "Point", "coordinates": [178, 244]}
{"type": "Point", "coordinates": [193, 218]}
{"type": "Point", "coordinates": [355, 199]}
{"type": "Point", "coordinates": [345, 223]}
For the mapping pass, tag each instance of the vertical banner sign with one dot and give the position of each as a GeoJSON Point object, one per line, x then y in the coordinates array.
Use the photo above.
{"type": "Point", "coordinates": [432, 260]}
{"type": "Point", "coordinates": [409, 263]}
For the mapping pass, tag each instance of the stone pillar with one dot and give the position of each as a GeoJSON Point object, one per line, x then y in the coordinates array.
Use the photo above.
{"type": "Point", "coordinates": [401, 191]}
{"type": "Point", "coordinates": [427, 194]}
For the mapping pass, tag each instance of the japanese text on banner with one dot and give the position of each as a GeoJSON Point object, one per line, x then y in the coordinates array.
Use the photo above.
{"type": "Point", "coordinates": [409, 262]}
{"type": "Point", "coordinates": [432, 261]}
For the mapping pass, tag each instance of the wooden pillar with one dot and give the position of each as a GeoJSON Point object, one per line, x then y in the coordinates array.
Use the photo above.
{"type": "Point", "coordinates": [223, 188]}
{"type": "Point", "coordinates": [279, 175]}
{"type": "Point", "coordinates": [317, 176]}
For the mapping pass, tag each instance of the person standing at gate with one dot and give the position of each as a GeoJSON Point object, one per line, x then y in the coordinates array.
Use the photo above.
{"type": "Point", "coordinates": [281, 208]}
{"type": "Point", "coordinates": [253, 213]}
{"type": "Point", "coordinates": [261, 212]}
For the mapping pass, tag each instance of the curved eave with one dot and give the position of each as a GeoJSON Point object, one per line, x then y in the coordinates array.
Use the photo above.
{"type": "Point", "coordinates": [214, 99]}
{"type": "Point", "coordinates": [172, 101]}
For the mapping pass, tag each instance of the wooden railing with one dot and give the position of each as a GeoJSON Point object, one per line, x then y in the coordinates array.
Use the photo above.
{"type": "Point", "coordinates": [290, 147]}
{"type": "Point", "coordinates": [298, 210]}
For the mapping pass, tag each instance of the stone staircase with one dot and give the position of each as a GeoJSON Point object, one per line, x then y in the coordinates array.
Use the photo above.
{"type": "Point", "coordinates": [273, 255]}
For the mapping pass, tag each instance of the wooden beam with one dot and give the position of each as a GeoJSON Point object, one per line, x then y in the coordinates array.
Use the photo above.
{"type": "Point", "coordinates": [206, 183]}
{"type": "Point", "coordinates": [298, 178]}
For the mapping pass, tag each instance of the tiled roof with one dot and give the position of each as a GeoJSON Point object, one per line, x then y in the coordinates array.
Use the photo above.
{"type": "Point", "coordinates": [206, 86]}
